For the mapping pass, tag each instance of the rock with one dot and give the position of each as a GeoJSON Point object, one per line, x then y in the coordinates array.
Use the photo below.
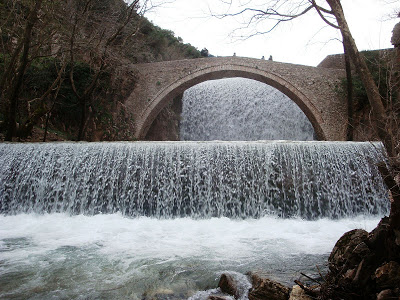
{"type": "Point", "coordinates": [264, 288]}
{"type": "Point", "coordinates": [344, 247]}
{"type": "Point", "coordinates": [160, 294]}
{"type": "Point", "coordinates": [383, 242]}
{"type": "Point", "coordinates": [235, 284]}
{"type": "Point", "coordinates": [350, 274]}
{"type": "Point", "coordinates": [228, 285]}
{"type": "Point", "coordinates": [379, 236]}
{"type": "Point", "coordinates": [388, 276]}
{"type": "Point", "coordinates": [298, 294]}
{"type": "Point", "coordinates": [385, 295]}
{"type": "Point", "coordinates": [217, 298]}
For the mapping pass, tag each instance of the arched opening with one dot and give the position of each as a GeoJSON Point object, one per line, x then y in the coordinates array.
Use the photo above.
{"type": "Point", "coordinates": [171, 92]}
{"type": "Point", "coordinates": [240, 109]}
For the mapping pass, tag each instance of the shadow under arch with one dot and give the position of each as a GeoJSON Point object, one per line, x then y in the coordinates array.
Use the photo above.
{"type": "Point", "coordinates": [168, 93]}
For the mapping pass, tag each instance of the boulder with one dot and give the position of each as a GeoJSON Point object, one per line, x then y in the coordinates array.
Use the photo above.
{"type": "Point", "coordinates": [264, 288]}
{"type": "Point", "coordinates": [385, 295]}
{"type": "Point", "coordinates": [228, 285]}
{"type": "Point", "coordinates": [235, 284]}
{"type": "Point", "coordinates": [387, 276]}
{"type": "Point", "coordinates": [214, 297]}
{"type": "Point", "coordinates": [342, 253]}
{"type": "Point", "coordinates": [298, 294]}
{"type": "Point", "coordinates": [383, 242]}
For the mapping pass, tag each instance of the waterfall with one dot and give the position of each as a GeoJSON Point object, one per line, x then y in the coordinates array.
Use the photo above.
{"type": "Point", "coordinates": [241, 109]}
{"type": "Point", "coordinates": [162, 220]}
{"type": "Point", "coordinates": [309, 180]}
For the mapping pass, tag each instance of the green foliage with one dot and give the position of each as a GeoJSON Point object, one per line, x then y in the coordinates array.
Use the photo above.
{"type": "Point", "coordinates": [191, 51]}
{"type": "Point", "coordinates": [161, 39]}
{"type": "Point", "coordinates": [380, 67]}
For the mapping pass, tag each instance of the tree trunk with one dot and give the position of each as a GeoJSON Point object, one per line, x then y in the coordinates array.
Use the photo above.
{"type": "Point", "coordinates": [349, 85]}
{"type": "Point", "coordinates": [83, 119]}
{"type": "Point", "coordinates": [13, 99]}
{"type": "Point", "coordinates": [375, 100]}
{"type": "Point", "coordinates": [377, 106]}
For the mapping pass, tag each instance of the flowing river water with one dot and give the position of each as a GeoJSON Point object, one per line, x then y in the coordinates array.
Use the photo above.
{"type": "Point", "coordinates": [163, 220]}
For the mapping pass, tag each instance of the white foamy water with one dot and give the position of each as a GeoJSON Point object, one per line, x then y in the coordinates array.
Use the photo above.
{"type": "Point", "coordinates": [194, 179]}
{"type": "Point", "coordinates": [114, 257]}
{"type": "Point", "coordinates": [235, 109]}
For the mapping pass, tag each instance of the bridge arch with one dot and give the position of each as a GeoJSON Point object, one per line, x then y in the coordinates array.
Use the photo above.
{"type": "Point", "coordinates": [168, 93]}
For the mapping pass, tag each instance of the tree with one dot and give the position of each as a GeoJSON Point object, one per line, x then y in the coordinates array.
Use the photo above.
{"type": "Point", "coordinates": [85, 20]}
{"type": "Point", "coordinates": [27, 36]}
{"type": "Point", "coordinates": [73, 33]}
{"type": "Point", "coordinates": [331, 12]}
{"type": "Point", "coordinates": [14, 71]}
{"type": "Point", "coordinates": [204, 52]}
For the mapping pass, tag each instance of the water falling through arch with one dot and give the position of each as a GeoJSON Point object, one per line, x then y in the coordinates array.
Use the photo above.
{"type": "Point", "coordinates": [131, 219]}
{"type": "Point", "coordinates": [241, 109]}
{"type": "Point", "coordinates": [164, 96]}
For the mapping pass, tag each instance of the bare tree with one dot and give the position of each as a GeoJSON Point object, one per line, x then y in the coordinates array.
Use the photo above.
{"type": "Point", "coordinates": [87, 32]}
{"type": "Point", "coordinates": [28, 32]}
{"type": "Point", "coordinates": [70, 31]}
{"type": "Point", "coordinates": [17, 67]}
{"type": "Point", "coordinates": [331, 12]}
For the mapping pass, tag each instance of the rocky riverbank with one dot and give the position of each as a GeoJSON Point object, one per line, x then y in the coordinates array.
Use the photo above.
{"type": "Point", "coordinates": [362, 265]}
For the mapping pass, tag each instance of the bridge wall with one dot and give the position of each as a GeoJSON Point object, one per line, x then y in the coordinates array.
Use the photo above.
{"type": "Point", "coordinates": [313, 89]}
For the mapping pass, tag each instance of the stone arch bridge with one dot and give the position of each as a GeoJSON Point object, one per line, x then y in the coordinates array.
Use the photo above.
{"type": "Point", "coordinates": [313, 89]}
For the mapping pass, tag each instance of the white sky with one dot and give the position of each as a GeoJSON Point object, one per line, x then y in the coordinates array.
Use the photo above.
{"type": "Point", "coordinates": [306, 40]}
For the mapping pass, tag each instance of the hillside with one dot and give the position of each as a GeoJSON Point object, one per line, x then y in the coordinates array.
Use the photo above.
{"type": "Point", "coordinates": [67, 77]}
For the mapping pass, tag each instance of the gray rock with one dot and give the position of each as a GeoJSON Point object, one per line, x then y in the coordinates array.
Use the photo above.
{"type": "Point", "coordinates": [264, 288]}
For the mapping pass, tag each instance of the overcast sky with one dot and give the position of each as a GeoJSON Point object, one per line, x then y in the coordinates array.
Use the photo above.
{"type": "Point", "coordinates": [306, 40]}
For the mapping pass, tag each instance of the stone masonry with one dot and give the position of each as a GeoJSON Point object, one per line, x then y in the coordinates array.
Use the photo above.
{"type": "Point", "coordinates": [313, 89]}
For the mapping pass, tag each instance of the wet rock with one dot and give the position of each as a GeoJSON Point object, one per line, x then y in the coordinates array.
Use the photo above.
{"type": "Point", "coordinates": [161, 294]}
{"type": "Point", "coordinates": [388, 276]}
{"type": "Point", "coordinates": [342, 253]}
{"type": "Point", "coordinates": [228, 285]}
{"type": "Point", "coordinates": [386, 295]}
{"type": "Point", "coordinates": [364, 266]}
{"type": "Point", "coordinates": [218, 298]}
{"type": "Point", "coordinates": [234, 284]}
{"type": "Point", "coordinates": [298, 294]}
{"type": "Point", "coordinates": [264, 288]}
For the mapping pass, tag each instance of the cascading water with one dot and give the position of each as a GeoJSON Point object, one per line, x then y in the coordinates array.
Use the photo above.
{"type": "Point", "coordinates": [196, 179]}
{"type": "Point", "coordinates": [74, 223]}
{"type": "Point", "coordinates": [240, 109]}
{"type": "Point", "coordinates": [164, 220]}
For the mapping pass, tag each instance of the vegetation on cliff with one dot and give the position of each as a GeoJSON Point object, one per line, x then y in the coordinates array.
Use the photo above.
{"type": "Point", "coordinates": [63, 66]}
